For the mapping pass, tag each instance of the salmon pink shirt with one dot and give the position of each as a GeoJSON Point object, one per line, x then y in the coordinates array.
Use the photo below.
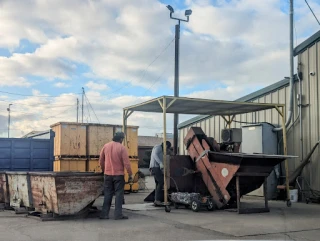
{"type": "Point", "coordinates": [114, 159]}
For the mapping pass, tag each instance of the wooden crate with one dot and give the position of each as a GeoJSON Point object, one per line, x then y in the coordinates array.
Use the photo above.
{"type": "Point", "coordinates": [70, 164]}
{"type": "Point", "coordinates": [86, 140]}
{"type": "Point", "coordinates": [132, 140]}
{"type": "Point", "coordinates": [70, 139]}
{"type": "Point", "coordinates": [98, 136]}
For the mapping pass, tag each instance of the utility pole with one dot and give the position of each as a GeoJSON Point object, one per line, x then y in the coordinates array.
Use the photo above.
{"type": "Point", "coordinates": [176, 74]}
{"type": "Point", "coordinates": [8, 109]}
{"type": "Point", "coordinates": [77, 110]}
{"type": "Point", "coordinates": [82, 104]}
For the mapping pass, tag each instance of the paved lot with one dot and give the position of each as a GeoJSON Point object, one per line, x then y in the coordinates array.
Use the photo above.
{"type": "Point", "coordinates": [300, 222]}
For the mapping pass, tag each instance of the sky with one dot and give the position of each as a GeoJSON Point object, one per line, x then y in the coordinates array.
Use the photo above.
{"type": "Point", "coordinates": [122, 53]}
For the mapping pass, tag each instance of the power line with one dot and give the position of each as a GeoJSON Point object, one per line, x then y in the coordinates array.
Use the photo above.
{"type": "Point", "coordinates": [144, 72]}
{"type": "Point", "coordinates": [36, 104]}
{"type": "Point", "coordinates": [312, 11]}
{"type": "Point", "coordinates": [88, 109]}
{"type": "Point", "coordinates": [157, 79]}
{"type": "Point", "coordinates": [92, 108]}
{"type": "Point", "coordinates": [44, 96]}
{"type": "Point", "coordinates": [157, 58]}
{"type": "Point", "coordinates": [58, 113]}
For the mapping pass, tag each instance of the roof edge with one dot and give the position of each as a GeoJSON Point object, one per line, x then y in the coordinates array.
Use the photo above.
{"type": "Point", "coordinates": [307, 43]}
{"type": "Point", "coordinates": [246, 98]}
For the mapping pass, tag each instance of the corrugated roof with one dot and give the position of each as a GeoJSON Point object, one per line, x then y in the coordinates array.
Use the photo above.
{"type": "Point", "coordinates": [307, 43]}
{"type": "Point", "coordinates": [150, 141]}
{"type": "Point", "coordinates": [194, 106]}
{"type": "Point", "coordinates": [247, 98]}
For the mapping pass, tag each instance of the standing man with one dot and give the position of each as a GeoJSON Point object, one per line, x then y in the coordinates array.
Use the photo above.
{"type": "Point", "coordinates": [113, 159]}
{"type": "Point", "coordinates": [156, 167]}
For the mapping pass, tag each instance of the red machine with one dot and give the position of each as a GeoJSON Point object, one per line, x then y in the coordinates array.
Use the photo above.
{"type": "Point", "coordinates": [227, 175]}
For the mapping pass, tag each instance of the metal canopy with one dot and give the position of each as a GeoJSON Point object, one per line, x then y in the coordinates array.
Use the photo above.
{"type": "Point", "coordinates": [183, 105]}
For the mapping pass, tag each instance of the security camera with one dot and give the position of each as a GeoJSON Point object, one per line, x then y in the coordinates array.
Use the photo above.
{"type": "Point", "coordinates": [312, 73]}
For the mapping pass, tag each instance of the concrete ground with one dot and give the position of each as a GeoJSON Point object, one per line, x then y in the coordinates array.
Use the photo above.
{"type": "Point", "coordinates": [300, 222]}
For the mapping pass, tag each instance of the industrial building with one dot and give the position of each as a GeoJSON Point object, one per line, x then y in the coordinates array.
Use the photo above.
{"type": "Point", "coordinates": [303, 133]}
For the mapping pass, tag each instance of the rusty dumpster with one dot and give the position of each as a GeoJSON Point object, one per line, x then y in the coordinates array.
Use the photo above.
{"type": "Point", "coordinates": [64, 193]}
{"type": "Point", "coordinates": [4, 195]}
{"type": "Point", "coordinates": [221, 171]}
{"type": "Point", "coordinates": [19, 190]}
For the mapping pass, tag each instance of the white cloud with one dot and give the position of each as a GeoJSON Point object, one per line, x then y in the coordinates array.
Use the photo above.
{"type": "Point", "coordinates": [228, 93]}
{"type": "Point", "coordinates": [240, 44]}
{"type": "Point", "coordinates": [31, 113]}
{"type": "Point", "coordinates": [118, 39]}
{"type": "Point", "coordinates": [61, 85]}
{"type": "Point", "coordinates": [96, 86]}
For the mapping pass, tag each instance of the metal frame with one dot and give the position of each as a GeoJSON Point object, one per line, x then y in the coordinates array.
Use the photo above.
{"type": "Point", "coordinates": [127, 111]}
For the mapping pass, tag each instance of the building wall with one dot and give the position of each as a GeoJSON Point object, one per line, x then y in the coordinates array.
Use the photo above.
{"type": "Point", "coordinates": [309, 61]}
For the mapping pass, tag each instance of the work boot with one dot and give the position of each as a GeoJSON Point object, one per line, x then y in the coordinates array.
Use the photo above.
{"type": "Point", "coordinates": [104, 217]}
{"type": "Point", "coordinates": [122, 217]}
{"type": "Point", "coordinates": [157, 203]}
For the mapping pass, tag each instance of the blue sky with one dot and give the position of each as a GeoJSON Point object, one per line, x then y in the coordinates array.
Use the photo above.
{"type": "Point", "coordinates": [123, 53]}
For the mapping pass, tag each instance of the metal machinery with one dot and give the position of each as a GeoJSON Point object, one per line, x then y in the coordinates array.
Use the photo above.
{"type": "Point", "coordinates": [260, 138]}
{"type": "Point", "coordinates": [229, 175]}
{"type": "Point", "coordinates": [222, 171]}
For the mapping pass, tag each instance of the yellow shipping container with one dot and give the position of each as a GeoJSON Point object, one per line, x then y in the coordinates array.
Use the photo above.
{"type": "Point", "coordinates": [86, 140]}
{"type": "Point", "coordinates": [134, 167]}
{"type": "Point", "coordinates": [70, 139]}
{"type": "Point", "coordinates": [132, 140]}
{"type": "Point", "coordinates": [94, 165]}
{"type": "Point", "coordinates": [69, 164]}
{"type": "Point", "coordinates": [98, 136]}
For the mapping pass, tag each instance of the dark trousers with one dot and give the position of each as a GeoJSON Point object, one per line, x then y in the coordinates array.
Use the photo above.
{"type": "Point", "coordinates": [159, 180]}
{"type": "Point", "coordinates": [113, 185]}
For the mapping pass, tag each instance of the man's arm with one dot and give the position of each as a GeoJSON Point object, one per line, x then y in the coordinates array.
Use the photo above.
{"type": "Point", "coordinates": [102, 159]}
{"type": "Point", "coordinates": [126, 161]}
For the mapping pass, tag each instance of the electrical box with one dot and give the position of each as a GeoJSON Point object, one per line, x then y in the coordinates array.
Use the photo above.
{"type": "Point", "coordinates": [232, 135]}
{"type": "Point", "coordinates": [260, 138]}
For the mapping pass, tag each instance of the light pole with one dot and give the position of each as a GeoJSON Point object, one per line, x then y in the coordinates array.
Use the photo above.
{"type": "Point", "coordinates": [8, 109]}
{"type": "Point", "coordinates": [176, 74]}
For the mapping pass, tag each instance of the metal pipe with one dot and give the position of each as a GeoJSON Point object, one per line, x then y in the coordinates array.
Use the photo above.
{"type": "Point", "coordinates": [176, 87]}
{"type": "Point", "coordinates": [290, 111]}
{"type": "Point", "coordinates": [285, 152]}
{"type": "Point", "coordinates": [82, 104]}
{"type": "Point", "coordinates": [8, 109]}
{"type": "Point", "coordinates": [164, 107]}
{"type": "Point", "coordinates": [300, 111]}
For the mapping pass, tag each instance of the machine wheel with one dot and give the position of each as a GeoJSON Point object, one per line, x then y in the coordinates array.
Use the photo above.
{"type": "Point", "coordinates": [195, 205]}
{"type": "Point", "coordinates": [210, 206]}
{"type": "Point", "coordinates": [167, 209]}
{"type": "Point", "coordinates": [288, 203]}
{"type": "Point", "coordinates": [176, 206]}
